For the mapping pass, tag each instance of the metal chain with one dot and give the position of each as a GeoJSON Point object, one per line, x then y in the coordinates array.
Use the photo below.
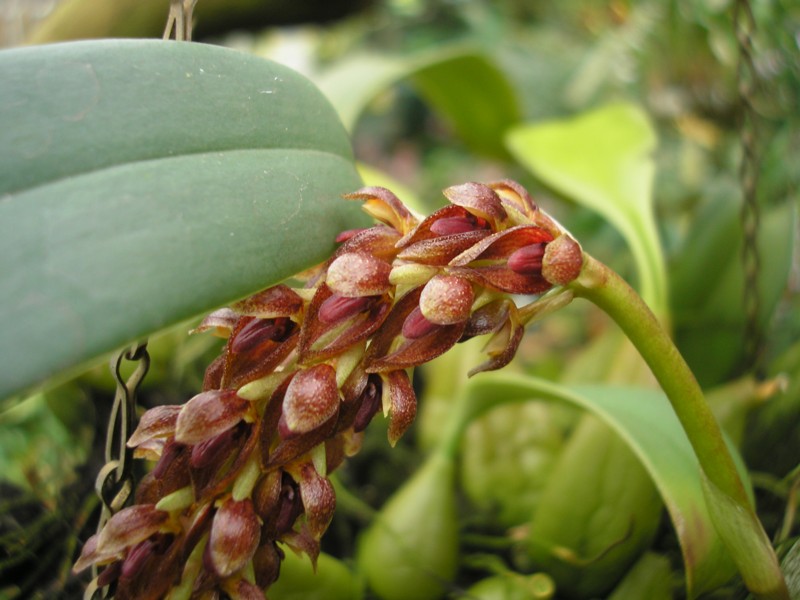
{"type": "Point", "coordinates": [747, 78]}
{"type": "Point", "coordinates": [114, 482]}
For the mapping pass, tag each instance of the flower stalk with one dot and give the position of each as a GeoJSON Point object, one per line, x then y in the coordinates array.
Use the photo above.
{"type": "Point", "coordinates": [725, 492]}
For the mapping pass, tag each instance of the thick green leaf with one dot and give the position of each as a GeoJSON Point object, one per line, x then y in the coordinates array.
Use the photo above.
{"type": "Point", "coordinates": [601, 160]}
{"type": "Point", "coordinates": [463, 84]}
{"type": "Point", "coordinates": [146, 182]}
{"type": "Point", "coordinates": [645, 420]}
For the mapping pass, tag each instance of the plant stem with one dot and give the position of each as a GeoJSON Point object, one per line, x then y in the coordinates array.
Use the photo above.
{"type": "Point", "coordinates": [603, 287]}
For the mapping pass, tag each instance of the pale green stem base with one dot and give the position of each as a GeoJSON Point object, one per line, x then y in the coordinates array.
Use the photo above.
{"type": "Point", "coordinates": [754, 555]}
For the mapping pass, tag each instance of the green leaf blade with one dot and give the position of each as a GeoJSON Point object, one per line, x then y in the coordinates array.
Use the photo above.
{"type": "Point", "coordinates": [601, 160]}
{"type": "Point", "coordinates": [645, 420]}
{"type": "Point", "coordinates": [140, 236]}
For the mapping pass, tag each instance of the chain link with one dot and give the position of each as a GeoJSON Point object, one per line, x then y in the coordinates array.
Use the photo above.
{"type": "Point", "coordinates": [114, 482]}
{"type": "Point", "coordinates": [747, 78]}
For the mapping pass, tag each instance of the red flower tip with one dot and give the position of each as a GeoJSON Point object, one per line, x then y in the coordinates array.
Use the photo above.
{"type": "Point", "coordinates": [416, 325]}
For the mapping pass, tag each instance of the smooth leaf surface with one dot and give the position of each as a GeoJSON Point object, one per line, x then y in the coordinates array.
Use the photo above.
{"type": "Point", "coordinates": [646, 422]}
{"type": "Point", "coordinates": [143, 183]}
{"type": "Point", "coordinates": [462, 84]}
{"type": "Point", "coordinates": [601, 159]}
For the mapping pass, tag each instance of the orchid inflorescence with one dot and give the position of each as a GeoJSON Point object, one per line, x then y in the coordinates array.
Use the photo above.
{"type": "Point", "coordinates": [242, 468]}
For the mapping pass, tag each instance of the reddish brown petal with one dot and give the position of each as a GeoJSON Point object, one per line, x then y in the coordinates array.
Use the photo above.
{"type": "Point", "coordinates": [441, 250]}
{"type": "Point", "coordinates": [303, 542]}
{"type": "Point", "coordinates": [501, 245]}
{"type": "Point", "coordinates": [208, 414]}
{"type": "Point", "coordinates": [290, 506]}
{"type": "Point", "coordinates": [381, 354]}
{"type": "Point", "coordinates": [384, 206]}
{"type": "Point", "coordinates": [156, 422]}
{"type": "Point", "coordinates": [501, 347]}
{"type": "Point", "coordinates": [215, 477]}
{"type": "Point", "coordinates": [403, 403]}
{"type": "Point", "coordinates": [267, 493]}
{"type": "Point", "coordinates": [479, 199]}
{"type": "Point", "coordinates": [277, 301]}
{"type": "Point", "coordinates": [446, 299]}
{"type": "Point", "coordinates": [319, 499]}
{"type": "Point", "coordinates": [488, 318]}
{"type": "Point", "coordinates": [256, 347]}
{"type": "Point", "coordinates": [515, 197]}
{"type": "Point", "coordinates": [290, 448]}
{"type": "Point", "coordinates": [129, 527]}
{"type": "Point", "coordinates": [212, 379]}
{"type": "Point", "coordinates": [320, 340]}
{"type": "Point", "coordinates": [358, 274]}
{"type": "Point", "coordinates": [427, 228]}
{"type": "Point", "coordinates": [311, 398]}
{"type": "Point", "coordinates": [91, 556]}
{"type": "Point", "coordinates": [221, 321]}
{"type": "Point", "coordinates": [242, 589]}
{"type": "Point", "coordinates": [379, 241]}
{"type": "Point", "coordinates": [369, 403]}
{"type": "Point", "coordinates": [234, 538]}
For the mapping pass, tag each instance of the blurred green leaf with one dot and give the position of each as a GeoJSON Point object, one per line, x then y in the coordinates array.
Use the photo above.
{"type": "Point", "coordinates": [650, 577]}
{"type": "Point", "coordinates": [709, 281]}
{"type": "Point", "coordinates": [644, 419]}
{"type": "Point", "coordinates": [331, 580]}
{"type": "Point", "coordinates": [146, 182]}
{"type": "Point", "coordinates": [602, 160]}
{"type": "Point", "coordinates": [463, 84]}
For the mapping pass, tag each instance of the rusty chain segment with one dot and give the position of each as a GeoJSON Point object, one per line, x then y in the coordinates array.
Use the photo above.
{"type": "Point", "coordinates": [747, 81]}
{"type": "Point", "coordinates": [114, 483]}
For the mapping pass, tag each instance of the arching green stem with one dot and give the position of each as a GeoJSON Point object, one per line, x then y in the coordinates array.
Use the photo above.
{"type": "Point", "coordinates": [730, 507]}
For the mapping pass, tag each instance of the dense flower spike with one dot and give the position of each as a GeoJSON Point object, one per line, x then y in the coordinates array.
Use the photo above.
{"type": "Point", "coordinates": [242, 468]}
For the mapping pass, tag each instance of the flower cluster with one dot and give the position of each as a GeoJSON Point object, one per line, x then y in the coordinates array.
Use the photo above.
{"type": "Point", "coordinates": [242, 468]}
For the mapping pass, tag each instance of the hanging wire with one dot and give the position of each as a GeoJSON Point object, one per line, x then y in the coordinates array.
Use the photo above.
{"type": "Point", "coordinates": [747, 79]}
{"type": "Point", "coordinates": [114, 483]}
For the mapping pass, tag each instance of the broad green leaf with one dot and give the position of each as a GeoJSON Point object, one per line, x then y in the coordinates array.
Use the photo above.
{"type": "Point", "coordinates": [601, 159]}
{"type": "Point", "coordinates": [644, 419]}
{"type": "Point", "coordinates": [143, 183]}
{"type": "Point", "coordinates": [461, 83]}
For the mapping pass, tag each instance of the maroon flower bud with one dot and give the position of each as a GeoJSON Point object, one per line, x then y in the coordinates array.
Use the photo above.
{"type": "Point", "coordinates": [446, 299]}
{"type": "Point", "coordinates": [527, 260]}
{"type": "Point", "coordinates": [110, 574]}
{"type": "Point", "coordinates": [267, 564]}
{"type": "Point", "coordinates": [563, 260]}
{"type": "Point", "coordinates": [234, 538]}
{"type": "Point", "coordinates": [416, 325]}
{"type": "Point", "coordinates": [358, 274]}
{"type": "Point", "coordinates": [137, 559]}
{"type": "Point", "coordinates": [370, 403]}
{"type": "Point", "coordinates": [207, 452]}
{"type": "Point", "coordinates": [338, 308]}
{"type": "Point", "coordinates": [311, 399]}
{"type": "Point", "coordinates": [208, 414]}
{"type": "Point", "coordinates": [290, 506]}
{"type": "Point", "coordinates": [257, 331]}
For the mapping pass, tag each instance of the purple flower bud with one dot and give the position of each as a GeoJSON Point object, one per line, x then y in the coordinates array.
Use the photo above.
{"type": "Point", "coordinates": [137, 559]}
{"type": "Point", "coordinates": [527, 260]}
{"type": "Point", "coordinates": [416, 325]}
{"type": "Point", "coordinates": [370, 403]}
{"type": "Point", "coordinates": [452, 225]}
{"type": "Point", "coordinates": [337, 308]}
{"type": "Point", "coordinates": [257, 331]}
